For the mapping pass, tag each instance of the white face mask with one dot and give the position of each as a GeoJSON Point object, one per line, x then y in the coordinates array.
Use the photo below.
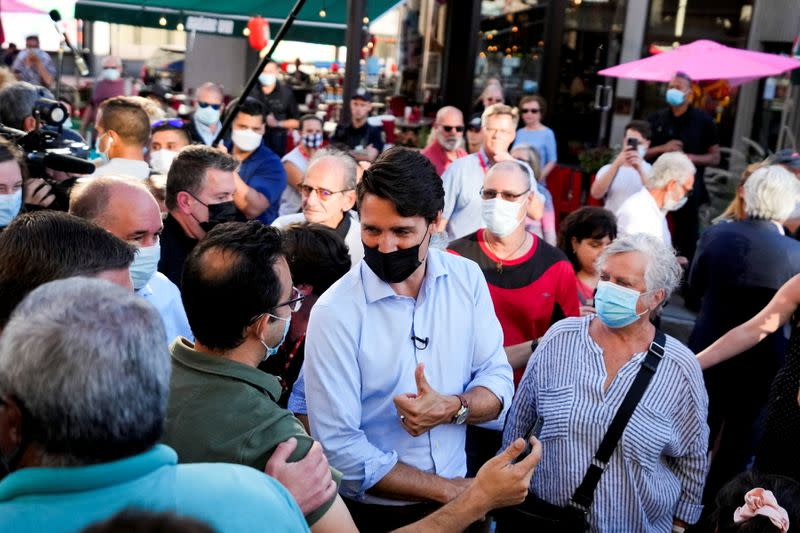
{"type": "Point", "coordinates": [642, 151]}
{"type": "Point", "coordinates": [110, 74]}
{"type": "Point", "coordinates": [671, 204]}
{"type": "Point", "coordinates": [161, 160]}
{"type": "Point", "coordinates": [145, 264]}
{"type": "Point", "coordinates": [104, 153]}
{"type": "Point", "coordinates": [246, 140]}
{"type": "Point", "coordinates": [500, 216]}
{"type": "Point", "coordinates": [267, 79]}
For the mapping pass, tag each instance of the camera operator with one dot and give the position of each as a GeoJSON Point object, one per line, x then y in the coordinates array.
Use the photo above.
{"type": "Point", "coordinates": [12, 170]}
{"type": "Point", "coordinates": [17, 102]}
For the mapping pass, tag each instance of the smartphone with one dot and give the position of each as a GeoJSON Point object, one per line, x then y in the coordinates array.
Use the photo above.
{"type": "Point", "coordinates": [633, 142]}
{"type": "Point", "coordinates": [534, 432]}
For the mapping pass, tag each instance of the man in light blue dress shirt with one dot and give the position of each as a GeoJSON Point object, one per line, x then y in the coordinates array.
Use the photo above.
{"type": "Point", "coordinates": [402, 353]}
{"type": "Point", "coordinates": [125, 208]}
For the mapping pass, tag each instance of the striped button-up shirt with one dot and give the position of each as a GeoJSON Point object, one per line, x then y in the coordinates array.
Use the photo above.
{"type": "Point", "coordinates": [659, 466]}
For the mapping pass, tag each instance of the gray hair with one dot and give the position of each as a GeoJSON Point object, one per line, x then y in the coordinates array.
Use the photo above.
{"type": "Point", "coordinates": [16, 102]}
{"type": "Point", "coordinates": [662, 271]}
{"type": "Point", "coordinates": [771, 193]}
{"type": "Point", "coordinates": [210, 86]}
{"type": "Point", "coordinates": [668, 167]}
{"type": "Point", "coordinates": [515, 166]}
{"type": "Point", "coordinates": [348, 163]}
{"type": "Point", "coordinates": [86, 360]}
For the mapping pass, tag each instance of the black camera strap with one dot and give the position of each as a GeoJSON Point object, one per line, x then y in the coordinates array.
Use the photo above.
{"type": "Point", "coordinates": [584, 494]}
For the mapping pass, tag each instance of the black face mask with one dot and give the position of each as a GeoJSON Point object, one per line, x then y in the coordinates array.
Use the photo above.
{"type": "Point", "coordinates": [219, 213]}
{"type": "Point", "coordinates": [393, 267]}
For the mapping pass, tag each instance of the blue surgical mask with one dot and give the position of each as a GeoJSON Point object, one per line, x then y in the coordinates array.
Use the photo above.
{"type": "Point", "coordinates": [272, 350]}
{"type": "Point", "coordinates": [145, 264]}
{"type": "Point", "coordinates": [616, 306]}
{"type": "Point", "coordinates": [110, 74]}
{"type": "Point", "coordinates": [267, 79]}
{"type": "Point", "coordinates": [10, 204]}
{"type": "Point", "coordinates": [207, 116]}
{"type": "Point", "coordinates": [675, 97]}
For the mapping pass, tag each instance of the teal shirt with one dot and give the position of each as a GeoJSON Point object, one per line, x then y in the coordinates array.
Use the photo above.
{"type": "Point", "coordinates": [230, 498]}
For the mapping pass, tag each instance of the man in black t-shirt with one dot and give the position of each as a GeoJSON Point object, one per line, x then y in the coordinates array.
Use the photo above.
{"type": "Point", "coordinates": [281, 106]}
{"type": "Point", "coordinates": [681, 127]}
{"type": "Point", "coordinates": [365, 141]}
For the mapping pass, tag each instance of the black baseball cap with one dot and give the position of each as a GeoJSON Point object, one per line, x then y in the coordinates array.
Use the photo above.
{"type": "Point", "coordinates": [362, 94]}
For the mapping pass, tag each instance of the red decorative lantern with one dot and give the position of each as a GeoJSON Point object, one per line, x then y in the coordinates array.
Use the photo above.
{"type": "Point", "coordinates": [258, 35]}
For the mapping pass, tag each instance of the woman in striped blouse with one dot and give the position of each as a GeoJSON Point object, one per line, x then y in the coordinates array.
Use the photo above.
{"type": "Point", "coordinates": [576, 380]}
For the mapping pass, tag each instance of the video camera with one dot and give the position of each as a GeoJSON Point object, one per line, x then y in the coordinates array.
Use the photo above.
{"type": "Point", "coordinates": [46, 147]}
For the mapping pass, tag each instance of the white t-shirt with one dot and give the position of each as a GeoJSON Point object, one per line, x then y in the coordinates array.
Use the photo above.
{"type": "Point", "coordinates": [625, 183]}
{"type": "Point", "coordinates": [291, 202]}
{"type": "Point", "coordinates": [640, 214]}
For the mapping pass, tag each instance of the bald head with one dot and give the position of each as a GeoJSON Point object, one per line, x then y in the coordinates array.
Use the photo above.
{"type": "Point", "coordinates": [449, 128]}
{"type": "Point", "coordinates": [512, 174]}
{"type": "Point", "coordinates": [123, 207]}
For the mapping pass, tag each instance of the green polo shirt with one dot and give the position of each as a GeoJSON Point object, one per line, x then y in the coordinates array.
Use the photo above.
{"type": "Point", "coordinates": [223, 411]}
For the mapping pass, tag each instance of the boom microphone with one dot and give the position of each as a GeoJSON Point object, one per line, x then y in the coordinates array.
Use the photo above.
{"type": "Point", "coordinates": [64, 163]}
{"type": "Point", "coordinates": [80, 64]}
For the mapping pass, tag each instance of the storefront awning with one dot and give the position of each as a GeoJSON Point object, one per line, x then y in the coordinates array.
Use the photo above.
{"type": "Point", "coordinates": [216, 17]}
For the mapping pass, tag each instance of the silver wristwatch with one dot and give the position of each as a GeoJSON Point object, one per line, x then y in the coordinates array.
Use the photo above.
{"type": "Point", "coordinates": [463, 413]}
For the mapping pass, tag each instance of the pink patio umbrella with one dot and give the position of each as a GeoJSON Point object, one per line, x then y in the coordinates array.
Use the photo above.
{"type": "Point", "coordinates": [705, 60]}
{"type": "Point", "coordinates": [15, 6]}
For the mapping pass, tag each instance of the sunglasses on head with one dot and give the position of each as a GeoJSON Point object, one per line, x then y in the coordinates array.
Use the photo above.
{"type": "Point", "coordinates": [174, 122]}
{"type": "Point", "coordinates": [206, 104]}
{"type": "Point", "coordinates": [448, 129]}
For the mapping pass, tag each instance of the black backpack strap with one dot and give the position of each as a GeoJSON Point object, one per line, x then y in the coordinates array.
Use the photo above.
{"type": "Point", "coordinates": [584, 494]}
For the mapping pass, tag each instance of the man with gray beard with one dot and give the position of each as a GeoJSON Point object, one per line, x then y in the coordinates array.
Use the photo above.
{"type": "Point", "coordinates": [448, 135]}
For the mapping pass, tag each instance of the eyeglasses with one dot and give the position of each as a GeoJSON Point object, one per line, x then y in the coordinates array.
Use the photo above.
{"type": "Point", "coordinates": [322, 194]}
{"type": "Point", "coordinates": [206, 104]}
{"type": "Point", "coordinates": [294, 303]}
{"type": "Point", "coordinates": [174, 122]}
{"type": "Point", "coordinates": [530, 110]}
{"type": "Point", "coordinates": [492, 131]}
{"type": "Point", "coordinates": [488, 194]}
{"type": "Point", "coordinates": [448, 129]}
{"type": "Point", "coordinates": [475, 129]}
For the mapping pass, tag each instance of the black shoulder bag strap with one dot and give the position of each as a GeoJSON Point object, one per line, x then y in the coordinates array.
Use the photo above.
{"type": "Point", "coordinates": [584, 494]}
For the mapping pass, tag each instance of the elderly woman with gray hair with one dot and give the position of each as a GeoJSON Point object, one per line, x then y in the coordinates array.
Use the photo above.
{"type": "Point", "coordinates": [738, 268]}
{"type": "Point", "coordinates": [575, 384]}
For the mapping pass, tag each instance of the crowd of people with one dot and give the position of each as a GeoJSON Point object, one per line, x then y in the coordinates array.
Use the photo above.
{"type": "Point", "coordinates": [288, 329]}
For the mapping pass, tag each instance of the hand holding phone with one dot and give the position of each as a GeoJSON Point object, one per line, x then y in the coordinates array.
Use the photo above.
{"type": "Point", "coordinates": [534, 432]}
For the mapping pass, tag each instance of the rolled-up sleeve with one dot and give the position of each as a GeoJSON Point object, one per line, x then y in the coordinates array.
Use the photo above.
{"type": "Point", "coordinates": [333, 395]}
{"type": "Point", "coordinates": [490, 367]}
{"type": "Point", "coordinates": [690, 463]}
{"type": "Point", "coordinates": [297, 398]}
